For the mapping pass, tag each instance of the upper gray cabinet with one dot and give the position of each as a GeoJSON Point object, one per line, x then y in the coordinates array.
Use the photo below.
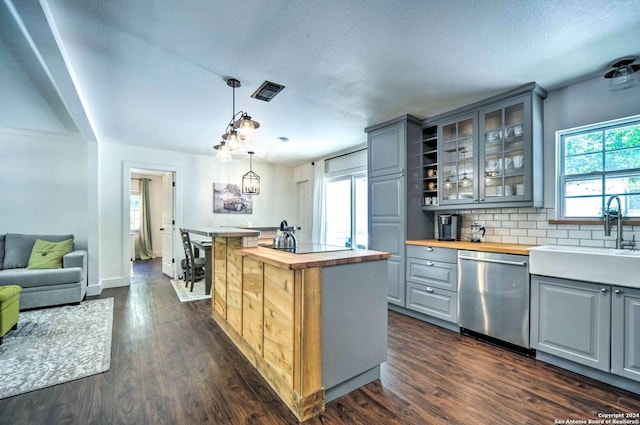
{"type": "Point", "coordinates": [386, 150]}
{"type": "Point", "coordinates": [489, 153]}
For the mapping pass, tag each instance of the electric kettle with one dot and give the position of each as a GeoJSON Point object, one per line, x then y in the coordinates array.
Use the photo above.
{"type": "Point", "coordinates": [285, 238]}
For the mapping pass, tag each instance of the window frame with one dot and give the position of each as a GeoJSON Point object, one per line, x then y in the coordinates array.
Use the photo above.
{"type": "Point", "coordinates": [351, 177]}
{"type": "Point", "coordinates": [562, 178]}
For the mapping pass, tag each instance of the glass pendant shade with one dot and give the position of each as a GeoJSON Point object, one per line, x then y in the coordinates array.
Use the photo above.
{"type": "Point", "coordinates": [246, 127]}
{"type": "Point", "coordinates": [623, 78]}
{"type": "Point", "coordinates": [250, 181]}
{"type": "Point", "coordinates": [224, 153]}
{"type": "Point", "coordinates": [232, 139]}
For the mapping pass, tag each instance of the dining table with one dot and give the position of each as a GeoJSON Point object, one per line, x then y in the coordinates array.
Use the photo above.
{"type": "Point", "coordinates": [206, 244]}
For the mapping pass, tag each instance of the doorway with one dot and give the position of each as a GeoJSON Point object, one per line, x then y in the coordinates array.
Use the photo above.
{"type": "Point", "coordinates": [151, 213]}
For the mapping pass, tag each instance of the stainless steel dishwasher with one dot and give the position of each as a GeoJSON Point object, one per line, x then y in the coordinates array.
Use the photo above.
{"type": "Point", "coordinates": [493, 295]}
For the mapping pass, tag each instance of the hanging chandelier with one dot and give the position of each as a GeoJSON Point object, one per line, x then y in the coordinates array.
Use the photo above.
{"type": "Point", "coordinates": [250, 181]}
{"type": "Point", "coordinates": [241, 129]}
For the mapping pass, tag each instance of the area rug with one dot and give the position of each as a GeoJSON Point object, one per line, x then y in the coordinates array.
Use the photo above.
{"type": "Point", "coordinates": [56, 345]}
{"type": "Point", "coordinates": [183, 293]}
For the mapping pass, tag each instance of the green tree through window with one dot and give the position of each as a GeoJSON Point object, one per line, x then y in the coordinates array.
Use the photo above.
{"type": "Point", "coordinates": [597, 162]}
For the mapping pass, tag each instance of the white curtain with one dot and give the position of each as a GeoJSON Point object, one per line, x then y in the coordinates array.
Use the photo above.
{"type": "Point", "coordinates": [318, 227]}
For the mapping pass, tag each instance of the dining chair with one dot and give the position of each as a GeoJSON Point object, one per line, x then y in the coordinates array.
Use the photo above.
{"type": "Point", "coordinates": [194, 269]}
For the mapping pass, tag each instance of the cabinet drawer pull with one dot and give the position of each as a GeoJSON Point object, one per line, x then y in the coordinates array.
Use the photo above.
{"type": "Point", "coordinates": [428, 248]}
{"type": "Point", "coordinates": [429, 263]}
{"type": "Point", "coordinates": [618, 291]}
{"type": "Point", "coordinates": [603, 290]}
{"type": "Point", "coordinates": [430, 290]}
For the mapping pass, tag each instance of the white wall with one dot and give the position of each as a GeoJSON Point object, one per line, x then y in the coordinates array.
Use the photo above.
{"type": "Point", "coordinates": [44, 185]}
{"type": "Point", "coordinates": [21, 103]}
{"type": "Point", "coordinates": [195, 175]}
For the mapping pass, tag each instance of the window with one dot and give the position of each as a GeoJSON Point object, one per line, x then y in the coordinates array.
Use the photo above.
{"type": "Point", "coordinates": [134, 216]}
{"type": "Point", "coordinates": [346, 211]}
{"type": "Point", "coordinates": [596, 162]}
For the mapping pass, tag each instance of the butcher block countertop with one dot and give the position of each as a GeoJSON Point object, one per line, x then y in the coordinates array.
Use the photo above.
{"type": "Point", "coordinates": [504, 248]}
{"type": "Point", "coordinates": [288, 260]}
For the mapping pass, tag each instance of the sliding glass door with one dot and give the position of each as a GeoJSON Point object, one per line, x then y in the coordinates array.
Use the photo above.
{"type": "Point", "coordinates": [346, 211]}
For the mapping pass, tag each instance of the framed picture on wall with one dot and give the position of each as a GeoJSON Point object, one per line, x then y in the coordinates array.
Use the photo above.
{"type": "Point", "coordinates": [228, 199]}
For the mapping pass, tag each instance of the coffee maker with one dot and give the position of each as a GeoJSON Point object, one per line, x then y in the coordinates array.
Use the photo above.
{"type": "Point", "coordinates": [449, 227]}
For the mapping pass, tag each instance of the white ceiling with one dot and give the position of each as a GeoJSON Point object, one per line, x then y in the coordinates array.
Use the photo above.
{"type": "Point", "coordinates": [152, 73]}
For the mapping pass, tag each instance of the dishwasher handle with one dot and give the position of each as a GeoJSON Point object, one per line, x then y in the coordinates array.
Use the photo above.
{"type": "Point", "coordinates": [492, 260]}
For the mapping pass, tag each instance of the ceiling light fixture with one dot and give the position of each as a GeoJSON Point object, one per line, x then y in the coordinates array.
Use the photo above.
{"type": "Point", "coordinates": [238, 130]}
{"type": "Point", "coordinates": [623, 76]}
{"type": "Point", "coordinates": [250, 181]}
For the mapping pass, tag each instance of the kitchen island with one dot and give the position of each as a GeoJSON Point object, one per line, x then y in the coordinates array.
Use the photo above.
{"type": "Point", "coordinates": [314, 325]}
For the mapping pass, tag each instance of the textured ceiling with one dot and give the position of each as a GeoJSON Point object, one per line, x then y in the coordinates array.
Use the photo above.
{"type": "Point", "coordinates": [151, 73]}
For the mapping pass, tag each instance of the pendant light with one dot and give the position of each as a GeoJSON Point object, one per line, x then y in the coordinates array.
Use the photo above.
{"type": "Point", "coordinates": [237, 131]}
{"type": "Point", "coordinates": [251, 181]}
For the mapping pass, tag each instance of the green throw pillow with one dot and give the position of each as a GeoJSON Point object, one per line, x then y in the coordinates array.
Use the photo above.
{"type": "Point", "coordinates": [48, 255]}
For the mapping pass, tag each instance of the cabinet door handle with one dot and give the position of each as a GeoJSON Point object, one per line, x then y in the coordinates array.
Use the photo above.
{"type": "Point", "coordinates": [618, 291]}
{"type": "Point", "coordinates": [429, 263]}
{"type": "Point", "coordinates": [430, 290]}
{"type": "Point", "coordinates": [603, 290]}
{"type": "Point", "coordinates": [428, 248]}
{"type": "Point", "coordinates": [481, 199]}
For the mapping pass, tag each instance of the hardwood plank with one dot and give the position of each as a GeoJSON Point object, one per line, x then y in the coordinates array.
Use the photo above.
{"type": "Point", "coordinates": [172, 364]}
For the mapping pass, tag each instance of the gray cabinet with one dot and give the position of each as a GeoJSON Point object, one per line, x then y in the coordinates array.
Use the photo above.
{"type": "Point", "coordinates": [571, 320]}
{"type": "Point", "coordinates": [432, 281]}
{"type": "Point", "coordinates": [395, 195]}
{"type": "Point", "coordinates": [489, 153]}
{"type": "Point", "coordinates": [386, 150]}
{"type": "Point", "coordinates": [625, 332]}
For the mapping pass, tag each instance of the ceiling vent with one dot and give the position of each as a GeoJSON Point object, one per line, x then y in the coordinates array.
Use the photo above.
{"type": "Point", "coordinates": [267, 91]}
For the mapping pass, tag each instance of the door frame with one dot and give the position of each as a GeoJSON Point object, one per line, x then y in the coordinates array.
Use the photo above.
{"type": "Point", "coordinates": [126, 207]}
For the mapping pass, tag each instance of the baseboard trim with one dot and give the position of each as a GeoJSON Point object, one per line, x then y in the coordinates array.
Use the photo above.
{"type": "Point", "coordinates": [114, 282]}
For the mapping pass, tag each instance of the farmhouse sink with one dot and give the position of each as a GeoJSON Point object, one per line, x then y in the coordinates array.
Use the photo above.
{"type": "Point", "coordinates": [599, 265]}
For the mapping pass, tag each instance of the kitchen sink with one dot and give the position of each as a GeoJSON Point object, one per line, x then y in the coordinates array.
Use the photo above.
{"type": "Point", "coordinates": [590, 264]}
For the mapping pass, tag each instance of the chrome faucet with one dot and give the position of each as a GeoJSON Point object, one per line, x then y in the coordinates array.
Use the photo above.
{"type": "Point", "coordinates": [608, 216]}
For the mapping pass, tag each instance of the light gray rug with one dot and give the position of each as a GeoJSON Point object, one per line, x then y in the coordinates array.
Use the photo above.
{"type": "Point", "coordinates": [56, 345]}
{"type": "Point", "coordinates": [183, 293]}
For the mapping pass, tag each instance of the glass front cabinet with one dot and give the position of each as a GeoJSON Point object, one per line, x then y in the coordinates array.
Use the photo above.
{"type": "Point", "coordinates": [491, 154]}
{"type": "Point", "coordinates": [459, 152]}
{"type": "Point", "coordinates": [505, 154]}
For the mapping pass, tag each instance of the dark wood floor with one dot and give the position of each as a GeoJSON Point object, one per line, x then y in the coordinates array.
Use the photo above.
{"type": "Point", "coordinates": [171, 364]}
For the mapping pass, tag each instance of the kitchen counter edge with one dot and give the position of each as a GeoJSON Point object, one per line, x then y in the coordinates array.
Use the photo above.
{"type": "Point", "coordinates": [288, 260]}
{"type": "Point", "coordinates": [503, 248]}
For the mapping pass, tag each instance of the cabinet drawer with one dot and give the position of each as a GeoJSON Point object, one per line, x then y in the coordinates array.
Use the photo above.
{"type": "Point", "coordinates": [432, 273]}
{"type": "Point", "coordinates": [447, 255]}
{"type": "Point", "coordinates": [432, 301]}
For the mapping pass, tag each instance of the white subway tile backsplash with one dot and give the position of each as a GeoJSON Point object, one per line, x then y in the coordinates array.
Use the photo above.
{"type": "Point", "coordinates": [557, 233]}
{"type": "Point", "coordinates": [590, 242]}
{"type": "Point", "coordinates": [536, 232]}
{"type": "Point", "coordinates": [527, 240]}
{"type": "Point", "coordinates": [580, 234]}
{"type": "Point", "coordinates": [574, 242]}
{"type": "Point", "coordinates": [537, 217]}
{"type": "Point", "coordinates": [527, 224]}
{"type": "Point", "coordinates": [531, 226]}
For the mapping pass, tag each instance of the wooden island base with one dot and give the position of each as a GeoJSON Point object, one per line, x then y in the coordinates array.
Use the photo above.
{"type": "Point", "coordinates": [314, 325]}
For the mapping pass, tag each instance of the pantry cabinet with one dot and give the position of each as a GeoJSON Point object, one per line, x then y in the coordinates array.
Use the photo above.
{"type": "Point", "coordinates": [395, 195]}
